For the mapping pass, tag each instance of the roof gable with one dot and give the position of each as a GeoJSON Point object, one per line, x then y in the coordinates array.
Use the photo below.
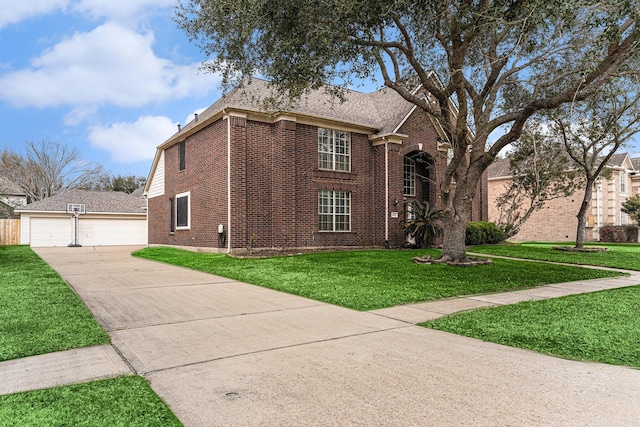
{"type": "Point", "coordinates": [620, 160]}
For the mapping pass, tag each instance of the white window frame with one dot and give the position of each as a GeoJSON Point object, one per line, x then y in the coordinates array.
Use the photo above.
{"type": "Point", "coordinates": [179, 196]}
{"type": "Point", "coordinates": [337, 206]}
{"type": "Point", "coordinates": [334, 150]}
{"type": "Point", "coordinates": [624, 218]}
{"type": "Point", "coordinates": [623, 182]}
{"type": "Point", "coordinates": [409, 177]}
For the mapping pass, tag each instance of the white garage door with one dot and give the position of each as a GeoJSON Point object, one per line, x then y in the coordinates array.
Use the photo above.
{"type": "Point", "coordinates": [51, 231]}
{"type": "Point", "coordinates": [105, 232]}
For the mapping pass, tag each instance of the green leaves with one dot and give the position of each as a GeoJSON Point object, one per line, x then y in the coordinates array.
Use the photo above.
{"type": "Point", "coordinates": [631, 207]}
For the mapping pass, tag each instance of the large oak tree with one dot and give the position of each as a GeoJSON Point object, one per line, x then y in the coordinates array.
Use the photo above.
{"type": "Point", "coordinates": [488, 66]}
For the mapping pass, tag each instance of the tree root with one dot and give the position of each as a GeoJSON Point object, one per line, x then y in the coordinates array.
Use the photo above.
{"type": "Point", "coordinates": [462, 262]}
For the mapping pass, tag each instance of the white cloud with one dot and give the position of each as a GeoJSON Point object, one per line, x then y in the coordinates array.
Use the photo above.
{"type": "Point", "coordinates": [109, 65]}
{"type": "Point", "coordinates": [132, 142]}
{"type": "Point", "coordinates": [15, 11]}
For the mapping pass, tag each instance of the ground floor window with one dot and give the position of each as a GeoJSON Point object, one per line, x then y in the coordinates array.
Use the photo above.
{"type": "Point", "coordinates": [183, 214]}
{"type": "Point", "coordinates": [334, 210]}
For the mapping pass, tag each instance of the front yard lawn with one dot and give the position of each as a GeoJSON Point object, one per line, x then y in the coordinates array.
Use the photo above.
{"type": "Point", "coordinates": [39, 312]}
{"type": "Point", "coordinates": [125, 401]}
{"type": "Point", "coordinates": [624, 256]}
{"type": "Point", "coordinates": [372, 279]}
{"type": "Point", "coordinates": [601, 326]}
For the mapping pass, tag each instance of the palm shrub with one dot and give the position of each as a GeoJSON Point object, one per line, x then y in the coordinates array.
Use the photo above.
{"type": "Point", "coordinates": [422, 223]}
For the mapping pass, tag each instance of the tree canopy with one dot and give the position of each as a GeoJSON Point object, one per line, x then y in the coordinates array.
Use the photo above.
{"type": "Point", "coordinates": [486, 66]}
{"type": "Point", "coordinates": [125, 184]}
{"type": "Point", "coordinates": [541, 170]}
{"type": "Point", "coordinates": [48, 168]}
{"type": "Point", "coordinates": [631, 207]}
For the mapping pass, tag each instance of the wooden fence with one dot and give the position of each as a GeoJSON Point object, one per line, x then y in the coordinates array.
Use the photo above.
{"type": "Point", "coordinates": [9, 232]}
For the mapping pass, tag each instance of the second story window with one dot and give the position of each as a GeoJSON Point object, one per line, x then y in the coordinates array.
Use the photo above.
{"type": "Point", "coordinates": [334, 150]}
{"type": "Point", "coordinates": [181, 155]}
{"type": "Point", "coordinates": [623, 182]}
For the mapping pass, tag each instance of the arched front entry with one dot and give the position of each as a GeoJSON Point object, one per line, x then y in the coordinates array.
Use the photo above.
{"type": "Point", "coordinates": [419, 177]}
{"type": "Point", "coordinates": [418, 183]}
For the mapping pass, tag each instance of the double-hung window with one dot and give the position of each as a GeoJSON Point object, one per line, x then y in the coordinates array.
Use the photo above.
{"type": "Point", "coordinates": [334, 150]}
{"type": "Point", "coordinates": [409, 177]}
{"type": "Point", "coordinates": [623, 182]}
{"type": "Point", "coordinates": [334, 210]}
{"type": "Point", "coordinates": [183, 211]}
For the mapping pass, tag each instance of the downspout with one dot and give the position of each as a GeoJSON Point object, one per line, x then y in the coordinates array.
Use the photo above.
{"type": "Point", "coordinates": [228, 183]}
{"type": "Point", "coordinates": [598, 189]}
{"type": "Point", "coordinates": [386, 192]}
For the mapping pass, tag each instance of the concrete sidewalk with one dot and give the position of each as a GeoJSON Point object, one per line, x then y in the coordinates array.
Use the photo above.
{"type": "Point", "coordinates": [221, 352]}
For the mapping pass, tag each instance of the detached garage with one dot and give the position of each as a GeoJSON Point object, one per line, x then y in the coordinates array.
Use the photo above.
{"type": "Point", "coordinates": [103, 218]}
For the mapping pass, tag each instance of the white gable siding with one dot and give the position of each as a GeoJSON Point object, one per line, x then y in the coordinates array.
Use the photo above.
{"type": "Point", "coordinates": [156, 188]}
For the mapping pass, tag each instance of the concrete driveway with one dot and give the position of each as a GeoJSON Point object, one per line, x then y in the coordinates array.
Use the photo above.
{"type": "Point", "coordinates": [225, 353]}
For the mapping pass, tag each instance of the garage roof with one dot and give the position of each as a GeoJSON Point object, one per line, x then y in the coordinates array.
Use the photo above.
{"type": "Point", "coordinates": [94, 201]}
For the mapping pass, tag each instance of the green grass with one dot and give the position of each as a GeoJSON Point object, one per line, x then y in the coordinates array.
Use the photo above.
{"type": "Point", "coordinates": [601, 326]}
{"type": "Point", "coordinates": [372, 279]}
{"type": "Point", "coordinates": [619, 255]}
{"type": "Point", "coordinates": [39, 312]}
{"type": "Point", "coordinates": [124, 401]}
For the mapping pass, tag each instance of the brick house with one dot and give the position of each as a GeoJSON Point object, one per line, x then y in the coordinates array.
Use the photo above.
{"type": "Point", "coordinates": [321, 173]}
{"type": "Point", "coordinates": [557, 220]}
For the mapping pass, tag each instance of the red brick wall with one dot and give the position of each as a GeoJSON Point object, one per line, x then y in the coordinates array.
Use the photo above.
{"type": "Point", "coordinates": [205, 177]}
{"type": "Point", "coordinates": [275, 182]}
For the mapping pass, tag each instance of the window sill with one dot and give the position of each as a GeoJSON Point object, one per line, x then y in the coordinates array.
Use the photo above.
{"type": "Point", "coordinates": [331, 174]}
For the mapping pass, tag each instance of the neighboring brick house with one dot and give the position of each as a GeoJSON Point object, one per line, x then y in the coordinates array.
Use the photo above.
{"type": "Point", "coordinates": [557, 220]}
{"type": "Point", "coordinates": [635, 176]}
{"type": "Point", "coordinates": [11, 197]}
{"type": "Point", "coordinates": [322, 173]}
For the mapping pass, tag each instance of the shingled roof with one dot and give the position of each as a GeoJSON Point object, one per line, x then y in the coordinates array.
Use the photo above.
{"type": "Point", "coordinates": [94, 201]}
{"type": "Point", "coordinates": [382, 110]}
{"type": "Point", "coordinates": [499, 168]}
{"type": "Point", "coordinates": [10, 188]}
{"type": "Point", "coordinates": [617, 159]}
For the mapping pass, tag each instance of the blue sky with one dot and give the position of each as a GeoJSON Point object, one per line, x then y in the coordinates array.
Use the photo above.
{"type": "Point", "coordinates": [112, 78]}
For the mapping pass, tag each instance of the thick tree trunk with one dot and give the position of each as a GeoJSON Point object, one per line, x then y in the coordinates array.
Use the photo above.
{"type": "Point", "coordinates": [457, 213]}
{"type": "Point", "coordinates": [455, 230]}
{"type": "Point", "coordinates": [582, 214]}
